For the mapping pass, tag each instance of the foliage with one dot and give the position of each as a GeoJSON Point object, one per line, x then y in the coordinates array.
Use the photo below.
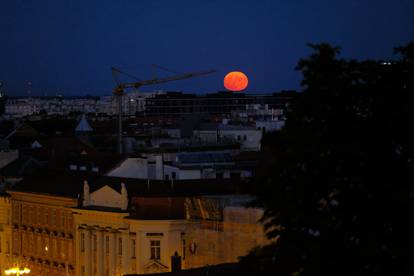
{"type": "Point", "coordinates": [338, 179]}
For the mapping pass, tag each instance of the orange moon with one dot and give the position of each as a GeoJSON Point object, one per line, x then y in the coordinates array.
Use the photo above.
{"type": "Point", "coordinates": [236, 81]}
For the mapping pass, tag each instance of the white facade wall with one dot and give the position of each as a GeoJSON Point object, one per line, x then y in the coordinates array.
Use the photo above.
{"type": "Point", "coordinates": [190, 174]}
{"type": "Point", "coordinates": [206, 136]}
{"type": "Point", "coordinates": [248, 139]}
{"type": "Point", "coordinates": [269, 126]}
{"type": "Point", "coordinates": [129, 243]}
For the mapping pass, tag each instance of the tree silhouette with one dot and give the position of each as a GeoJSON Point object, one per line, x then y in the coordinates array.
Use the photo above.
{"type": "Point", "coordinates": [337, 181]}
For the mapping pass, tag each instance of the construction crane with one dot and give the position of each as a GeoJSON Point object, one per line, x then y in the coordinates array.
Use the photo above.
{"type": "Point", "coordinates": [120, 88]}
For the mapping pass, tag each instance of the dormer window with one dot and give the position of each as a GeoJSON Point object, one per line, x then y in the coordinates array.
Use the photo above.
{"type": "Point", "coordinates": [95, 169]}
{"type": "Point", "coordinates": [82, 168]}
{"type": "Point", "coordinates": [83, 152]}
{"type": "Point", "coordinates": [73, 167]}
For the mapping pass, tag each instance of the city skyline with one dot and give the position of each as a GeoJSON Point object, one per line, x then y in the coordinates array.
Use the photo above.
{"type": "Point", "coordinates": [68, 48]}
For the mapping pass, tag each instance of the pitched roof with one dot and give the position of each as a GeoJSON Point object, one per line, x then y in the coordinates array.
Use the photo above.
{"type": "Point", "coordinates": [22, 166]}
{"type": "Point", "coordinates": [144, 207]}
{"type": "Point", "coordinates": [83, 125]}
{"type": "Point", "coordinates": [70, 184]}
{"type": "Point", "coordinates": [55, 182]}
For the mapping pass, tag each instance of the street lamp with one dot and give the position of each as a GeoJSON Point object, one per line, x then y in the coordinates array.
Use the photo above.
{"type": "Point", "coordinates": [17, 270]}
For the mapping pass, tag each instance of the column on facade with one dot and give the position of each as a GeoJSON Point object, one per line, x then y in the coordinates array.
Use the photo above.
{"type": "Point", "coordinates": [100, 252]}
{"type": "Point", "coordinates": [112, 253]}
{"type": "Point", "coordinates": [77, 254]}
{"type": "Point", "coordinates": [138, 252]}
{"type": "Point", "coordinates": [93, 252]}
{"type": "Point", "coordinates": [126, 252]}
{"type": "Point", "coordinates": [88, 253]}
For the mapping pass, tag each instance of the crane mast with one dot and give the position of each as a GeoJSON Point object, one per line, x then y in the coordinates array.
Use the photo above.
{"type": "Point", "coordinates": [120, 88]}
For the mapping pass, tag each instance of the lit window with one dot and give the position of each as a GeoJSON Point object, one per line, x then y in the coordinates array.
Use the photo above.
{"type": "Point", "coordinates": [155, 250]}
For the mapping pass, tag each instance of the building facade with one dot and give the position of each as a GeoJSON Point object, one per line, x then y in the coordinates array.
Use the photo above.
{"type": "Point", "coordinates": [108, 243]}
{"type": "Point", "coordinates": [5, 233]}
{"type": "Point", "coordinates": [107, 232]}
{"type": "Point", "coordinates": [42, 233]}
{"type": "Point", "coordinates": [177, 103]}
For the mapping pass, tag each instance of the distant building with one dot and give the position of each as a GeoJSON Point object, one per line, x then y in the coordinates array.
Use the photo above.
{"type": "Point", "coordinates": [17, 108]}
{"type": "Point", "coordinates": [175, 103]}
{"type": "Point", "coordinates": [248, 137]}
{"type": "Point", "coordinates": [185, 166]}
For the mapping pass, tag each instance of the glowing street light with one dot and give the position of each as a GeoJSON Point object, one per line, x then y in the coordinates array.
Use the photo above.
{"type": "Point", "coordinates": [17, 271]}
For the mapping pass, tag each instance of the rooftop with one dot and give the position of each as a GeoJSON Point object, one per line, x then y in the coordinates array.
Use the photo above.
{"type": "Point", "coordinates": [70, 184]}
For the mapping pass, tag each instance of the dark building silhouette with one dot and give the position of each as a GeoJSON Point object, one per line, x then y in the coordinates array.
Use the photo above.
{"type": "Point", "coordinates": [177, 103]}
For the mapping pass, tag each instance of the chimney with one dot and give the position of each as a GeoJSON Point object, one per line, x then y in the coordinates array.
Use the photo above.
{"type": "Point", "coordinates": [175, 263]}
{"type": "Point", "coordinates": [86, 194]}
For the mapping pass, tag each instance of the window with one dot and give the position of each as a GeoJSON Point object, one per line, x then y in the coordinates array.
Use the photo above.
{"type": "Point", "coordinates": [219, 175]}
{"type": "Point", "coordinates": [82, 242]}
{"type": "Point", "coordinates": [133, 246]}
{"type": "Point", "coordinates": [53, 220]}
{"type": "Point", "coordinates": [120, 246]}
{"type": "Point", "coordinates": [107, 244]}
{"type": "Point", "coordinates": [155, 250]}
{"type": "Point", "coordinates": [183, 249]}
{"type": "Point", "coordinates": [47, 216]}
{"type": "Point", "coordinates": [95, 243]}
{"type": "Point", "coordinates": [83, 270]}
{"type": "Point", "coordinates": [62, 219]}
{"type": "Point", "coordinates": [167, 177]}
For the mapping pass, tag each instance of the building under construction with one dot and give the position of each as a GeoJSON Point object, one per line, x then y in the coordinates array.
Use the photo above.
{"type": "Point", "coordinates": [177, 103]}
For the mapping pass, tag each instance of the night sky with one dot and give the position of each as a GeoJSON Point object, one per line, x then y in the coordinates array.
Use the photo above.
{"type": "Point", "coordinates": [68, 46]}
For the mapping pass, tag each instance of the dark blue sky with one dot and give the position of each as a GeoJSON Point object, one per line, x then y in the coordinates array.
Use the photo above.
{"type": "Point", "coordinates": [68, 46]}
